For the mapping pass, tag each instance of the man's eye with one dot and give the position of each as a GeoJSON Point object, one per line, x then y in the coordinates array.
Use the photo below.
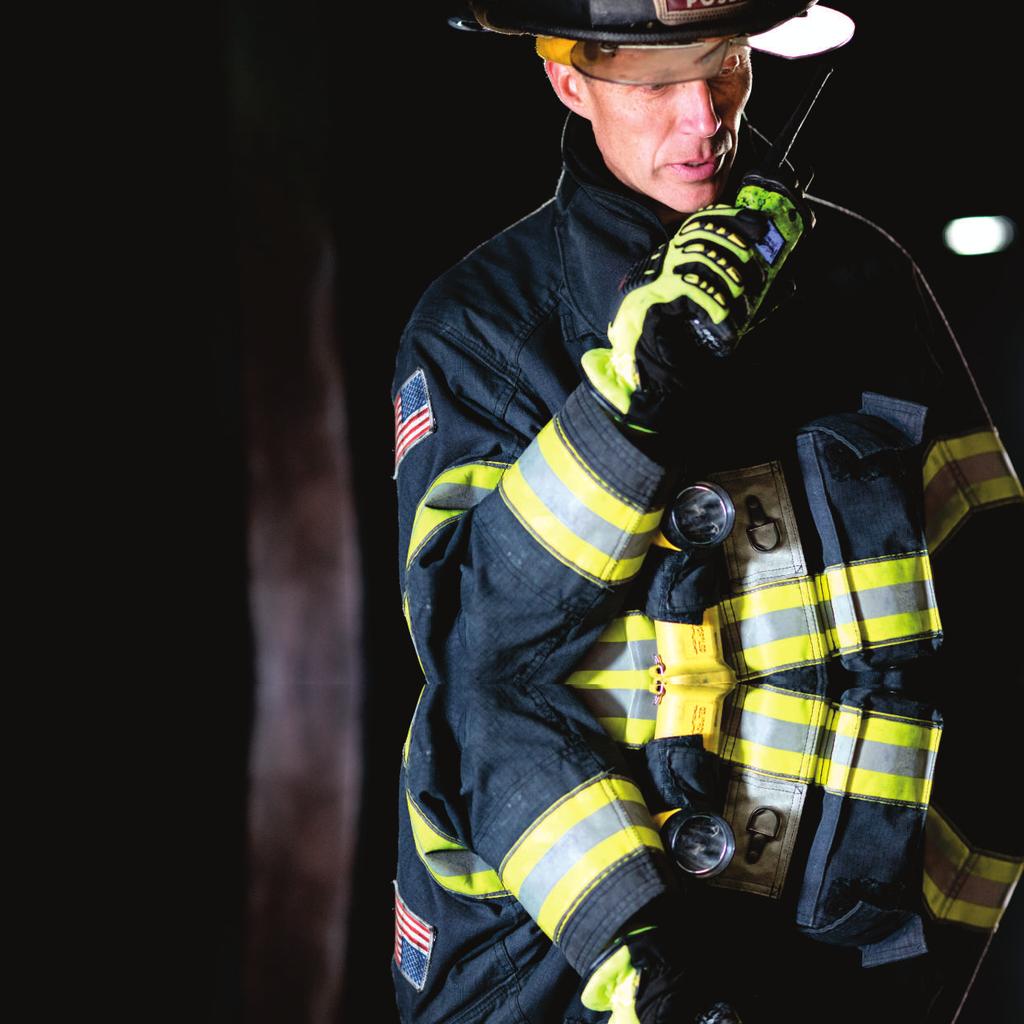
{"type": "Point", "coordinates": [654, 88]}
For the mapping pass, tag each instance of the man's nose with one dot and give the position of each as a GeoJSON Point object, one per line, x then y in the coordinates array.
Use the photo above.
{"type": "Point", "coordinates": [695, 109]}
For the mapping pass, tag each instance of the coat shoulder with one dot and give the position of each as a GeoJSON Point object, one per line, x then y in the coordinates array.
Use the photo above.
{"type": "Point", "coordinates": [493, 298]}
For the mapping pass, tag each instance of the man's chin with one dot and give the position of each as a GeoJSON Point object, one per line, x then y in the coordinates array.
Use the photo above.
{"type": "Point", "coordinates": [680, 201]}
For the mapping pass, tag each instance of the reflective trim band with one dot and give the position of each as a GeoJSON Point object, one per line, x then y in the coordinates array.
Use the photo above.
{"type": "Point", "coordinates": [768, 630]}
{"type": "Point", "coordinates": [613, 679]}
{"type": "Point", "coordinates": [636, 703]}
{"type": "Point", "coordinates": [775, 627]}
{"type": "Point", "coordinates": [806, 620]}
{"type": "Point", "coordinates": [412, 636]}
{"type": "Point", "coordinates": [619, 656]}
{"type": "Point", "coordinates": [452, 866]}
{"type": "Point", "coordinates": [631, 732]}
{"type": "Point", "coordinates": [573, 845]}
{"type": "Point", "coordinates": [576, 516]}
{"type": "Point", "coordinates": [451, 494]}
{"type": "Point", "coordinates": [880, 602]}
{"type": "Point", "coordinates": [866, 755]}
{"type": "Point", "coordinates": [963, 475]}
{"type": "Point", "coordinates": [879, 757]}
{"type": "Point", "coordinates": [775, 731]}
{"type": "Point", "coordinates": [963, 884]}
{"type": "Point", "coordinates": [412, 721]}
{"type": "Point", "coordinates": [628, 628]}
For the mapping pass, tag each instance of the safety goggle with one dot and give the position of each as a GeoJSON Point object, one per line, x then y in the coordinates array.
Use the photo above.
{"type": "Point", "coordinates": [659, 64]}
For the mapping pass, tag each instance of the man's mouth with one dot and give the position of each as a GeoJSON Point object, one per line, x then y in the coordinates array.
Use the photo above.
{"type": "Point", "coordinates": [697, 170]}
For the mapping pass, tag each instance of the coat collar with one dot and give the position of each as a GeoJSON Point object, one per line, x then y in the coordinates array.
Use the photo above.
{"type": "Point", "coordinates": [604, 226]}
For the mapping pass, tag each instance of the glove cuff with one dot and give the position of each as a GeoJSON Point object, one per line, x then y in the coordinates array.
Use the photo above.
{"type": "Point", "coordinates": [613, 981]}
{"type": "Point", "coordinates": [613, 391]}
{"type": "Point", "coordinates": [641, 414]}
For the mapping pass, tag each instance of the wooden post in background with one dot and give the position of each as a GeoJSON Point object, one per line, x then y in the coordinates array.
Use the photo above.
{"type": "Point", "coordinates": [304, 569]}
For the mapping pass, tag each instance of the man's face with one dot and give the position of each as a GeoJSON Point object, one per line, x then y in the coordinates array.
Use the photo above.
{"type": "Point", "coordinates": [648, 135]}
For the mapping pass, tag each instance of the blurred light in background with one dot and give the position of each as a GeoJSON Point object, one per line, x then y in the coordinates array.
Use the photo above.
{"type": "Point", "coordinates": [972, 236]}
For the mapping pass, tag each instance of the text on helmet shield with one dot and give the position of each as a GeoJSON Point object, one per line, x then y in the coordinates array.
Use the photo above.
{"type": "Point", "coordinates": [675, 12]}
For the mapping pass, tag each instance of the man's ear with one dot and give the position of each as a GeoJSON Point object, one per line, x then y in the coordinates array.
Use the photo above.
{"type": "Point", "coordinates": [569, 87]}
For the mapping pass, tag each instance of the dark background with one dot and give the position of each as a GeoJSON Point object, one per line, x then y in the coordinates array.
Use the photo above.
{"type": "Point", "coordinates": [345, 165]}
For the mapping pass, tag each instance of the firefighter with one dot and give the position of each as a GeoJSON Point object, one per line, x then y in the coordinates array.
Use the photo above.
{"type": "Point", "coordinates": [653, 331]}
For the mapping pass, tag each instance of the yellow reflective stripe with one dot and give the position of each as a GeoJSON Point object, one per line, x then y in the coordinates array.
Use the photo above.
{"type": "Point", "coordinates": [571, 550]}
{"type": "Point", "coordinates": [635, 626]}
{"type": "Point", "coordinates": [866, 755]}
{"type": "Point", "coordinates": [620, 660]}
{"type": "Point", "coordinates": [408, 733]}
{"type": "Point", "coordinates": [590, 869]}
{"type": "Point", "coordinates": [961, 883]}
{"type": "Point", "coordinates": [412, 636]}
{"type": "Point", "coordinates": [452, 866]}
{"type": "Point", "coordinates": [880, 757]}
{"type": "Point", "coordinates": [861, 592]}
{"type": "Point", "coordinates": [775, 597]}
{"type": "Point", "coordinates": [578, 517]}
{"type": "Point", "coordinates": [545, 832]}
{"type": "Point", "coordinates": [634, 732]}
{"type": "Point", "coordinates": [786, 706]}
{"type": "Point", "coordinates": [573, 844]}
{"type": "Point", "coordinates": [866, 783]}
{"type": "Point", "coordinates": [777, 654]}
{"type": "Point", "coordinates": [867, 575]}
{"type": "Point", "coordinates": [588, 488]}
{"type": "Point", "coordinates": [963, 475]}
{"type": "Point", "coordinates": [890, 729]}
{"type": "Point", "coordinates": [884, 630]}
{"type": "Point", "coordinates": [429, 519]}
{"type": "Point", "coordinates": [790, 763]}
{"type": "Point", "coordinates": [958, 911]}
{"type": "Point", "coordinates": [774, 731]}
{"type": "Point", "coordinates": [781, 613]}
{"type": "Point", "coordinates": [860, 606]}
{"type": "Point", "coordinates": [944, 450]}
{"type": "Point", "coordinates": [1000, 490]}
{"type": "Point", "coordinates": [758, 637]}
{"type": "Point", "coordinates": [996, 869]}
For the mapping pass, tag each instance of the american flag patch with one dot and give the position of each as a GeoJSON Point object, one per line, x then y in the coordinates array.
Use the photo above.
{"type": "Point", "coordinates": [414, 416]}
{"type": "Point", "coordinates": [414, 939]}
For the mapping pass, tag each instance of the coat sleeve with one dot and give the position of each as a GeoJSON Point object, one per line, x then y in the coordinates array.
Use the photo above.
{"type": "Point", "coordinates": [974, 518]}
{"type": "Point", "coordinates": [514, 552]}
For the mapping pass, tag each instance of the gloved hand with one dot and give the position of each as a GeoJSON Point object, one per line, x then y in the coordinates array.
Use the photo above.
{"type": "Point", "coordinates": [692, 300]}
{"type": "Point", "coordinates": [644, 980]}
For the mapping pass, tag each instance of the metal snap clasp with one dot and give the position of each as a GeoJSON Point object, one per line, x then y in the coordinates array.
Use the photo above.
{"type": "Point", "coordinates": [763, 825]}
{"type": "Point", "coordinates": [760, 524]}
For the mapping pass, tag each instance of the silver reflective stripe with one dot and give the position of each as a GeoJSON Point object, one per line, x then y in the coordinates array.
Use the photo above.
{"type": "Point", "coordinates": [456, 863]}
{"type": "Point", "coordinates": [771, 626]}
{"type": "Point", "coordinates": [573, 844]}
{"type": "Point", "coordinates": [858, 752]}
{"type": "Point", "coordinates": [896, 599]}
{"type": "Point", "coordinates": [567, 508]}
{"type": "Point", "coordinates": [455, 496]}
{"type": "Point", "coordinates": [773, 732]}
{"type": "Point", "coordinates": [619, 656]}
{"type": "Point", "coordinates": [619, 703]}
